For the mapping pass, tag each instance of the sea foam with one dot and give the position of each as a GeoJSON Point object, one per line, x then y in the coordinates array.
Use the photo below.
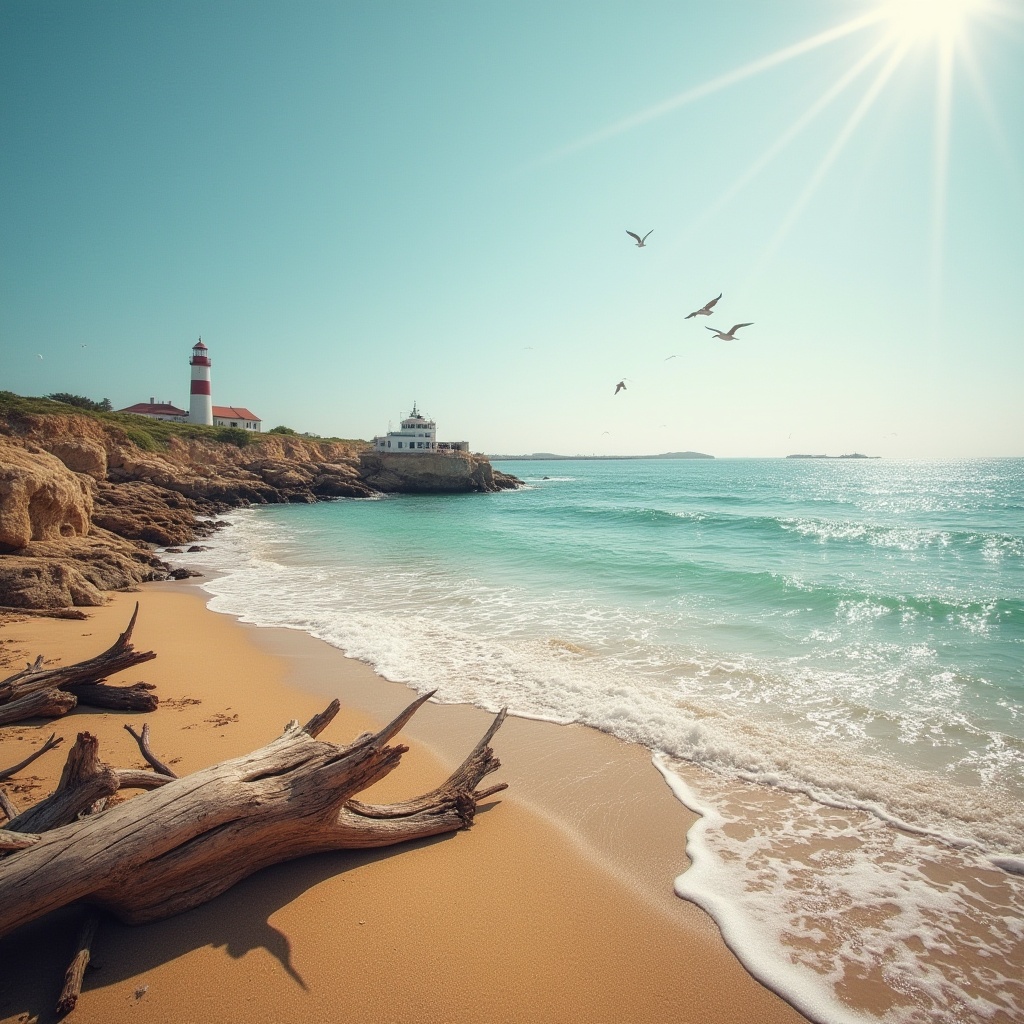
{"type": "Point", "coordinates": [845, 725]}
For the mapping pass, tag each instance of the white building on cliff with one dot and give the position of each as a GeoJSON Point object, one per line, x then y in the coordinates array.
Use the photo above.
{"type": "Point", "coordinates": [417, 434]}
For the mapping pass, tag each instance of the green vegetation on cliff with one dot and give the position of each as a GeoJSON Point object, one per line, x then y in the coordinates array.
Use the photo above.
{"type": "Point", "coordinates": [148, 434]}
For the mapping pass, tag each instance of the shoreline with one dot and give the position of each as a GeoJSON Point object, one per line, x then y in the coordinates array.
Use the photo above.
{"type": "Point", "coordinates": [556, 905]}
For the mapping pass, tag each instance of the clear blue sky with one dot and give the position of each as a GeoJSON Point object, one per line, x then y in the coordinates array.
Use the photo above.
{"type": "Point", "coordinates": [359, 205]}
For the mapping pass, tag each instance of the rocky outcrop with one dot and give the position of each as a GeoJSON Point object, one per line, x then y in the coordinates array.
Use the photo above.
{"type": "Point", "coordinates": [58, 574]}
{"type": "Point", "coordinates": [431, 473]}
{"type": "Point", "coordinates": [40, 498]}
{"type": "Point", "coordinates": [81, 503]}
{"type": "Point", "coordinates": [144, 512]}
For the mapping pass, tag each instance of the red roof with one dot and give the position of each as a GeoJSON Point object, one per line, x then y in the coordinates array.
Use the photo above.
{"type": "Point", "coordinates": [199, 344]}
{"type": "Point", "coordinates": [234, 412]}
{"type": "Point", "coordinates": [157, 409]}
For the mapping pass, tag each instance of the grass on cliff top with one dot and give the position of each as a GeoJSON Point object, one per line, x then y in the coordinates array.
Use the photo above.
{"type": "Point", "coordinates": [148, 434]}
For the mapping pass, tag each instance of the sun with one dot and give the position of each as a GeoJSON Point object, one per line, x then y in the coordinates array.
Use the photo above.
{"type": "Point", "coordinates": [916, 21]}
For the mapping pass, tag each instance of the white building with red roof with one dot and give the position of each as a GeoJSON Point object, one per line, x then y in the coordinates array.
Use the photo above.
{"type": "Point", "coordinates": [235, 416]}
{"type": "Point", "coordinates": [158, 411]}
{"type": "Point", "coordinates": [201, 407]}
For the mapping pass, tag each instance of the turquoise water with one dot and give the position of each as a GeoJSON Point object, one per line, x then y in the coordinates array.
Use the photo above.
{"type": "Point", "coordinates": [845, 632]}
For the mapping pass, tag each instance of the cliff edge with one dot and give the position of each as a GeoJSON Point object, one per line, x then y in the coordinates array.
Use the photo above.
{"type": "Point", "coordinates": [85, 497]}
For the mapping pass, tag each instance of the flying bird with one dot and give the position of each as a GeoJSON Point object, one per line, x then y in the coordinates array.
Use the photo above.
{"type": "Point", "coordinates": [639, 241]}
{"type": "Point", "coordinates": [621, 386]}
{"type": "Point", "coordinates": [39, 355]}
{"type": "Point", "coordinates": [729, 335]}
{"type": "Point", "coordinates": [704, 310]}
{"type": "Point", "coordinates": [667, 358]}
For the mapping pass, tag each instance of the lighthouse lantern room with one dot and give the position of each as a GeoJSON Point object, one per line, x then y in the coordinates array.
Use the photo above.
{"type": "Point", "coordinates": [200, 409]}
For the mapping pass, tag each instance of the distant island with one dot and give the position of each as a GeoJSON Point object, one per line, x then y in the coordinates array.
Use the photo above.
{"type": "Point", "coordinates": [854, 455]}
{"type": "Point", "coordinates": [551, 457]}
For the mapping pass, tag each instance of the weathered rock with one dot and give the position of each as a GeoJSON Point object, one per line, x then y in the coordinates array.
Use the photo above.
{"type": "Point", "coordinates": [183, 574]}
{"type": "Point", "coordinates": [45, 583]}
{"type": "Point", "coordinates": [283, 475]}
{"type": "Point", "coordinates": [80, 442]}
{"type": "Point", "coordinates": [75, 571]}
{"type": "Point", "coordinates": [142, 511]}
{"type": "Point", "coordinates": [431, 473]}
{"type": "Point", "coordinates": [82, 455]}
{"type": "Point", "coordinates": [340, 481]}
{"type": "Point", "coordinates": [40, 498]}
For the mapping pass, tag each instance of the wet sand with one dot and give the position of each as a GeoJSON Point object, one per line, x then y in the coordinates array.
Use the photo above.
{"type": "Point", "coordinates": [556, 906]}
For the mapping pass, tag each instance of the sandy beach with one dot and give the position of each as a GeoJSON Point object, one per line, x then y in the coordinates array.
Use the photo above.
{"type": "Point", "coordinates": [556, 905]}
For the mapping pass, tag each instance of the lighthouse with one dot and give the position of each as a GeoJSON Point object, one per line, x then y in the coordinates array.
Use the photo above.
{"type": "Point", "coordinates": [200, 407]}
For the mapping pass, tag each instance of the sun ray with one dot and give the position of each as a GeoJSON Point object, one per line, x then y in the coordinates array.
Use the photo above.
{"type": "Point", "coordinates": [845, 133]}
{"type": "Point", "coordinates": [820, 104]}
{"type": "Point", "coordinates": [940, 181]}
{"type": "Point", "coordinates": [730, 78]}
{"type": "Point", "coordinates": [969, 62]}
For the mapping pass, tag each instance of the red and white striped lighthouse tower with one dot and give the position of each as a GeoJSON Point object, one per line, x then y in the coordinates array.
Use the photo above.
{"type": "Point", "coordinates": [200, 406]}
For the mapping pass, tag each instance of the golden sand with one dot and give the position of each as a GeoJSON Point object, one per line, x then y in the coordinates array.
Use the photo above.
{"type": "Point", "coordinates": [556, 906]}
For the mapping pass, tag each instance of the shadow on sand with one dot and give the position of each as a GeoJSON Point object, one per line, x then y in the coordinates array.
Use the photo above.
{"type": "Point", "coordinates": [35, 957]}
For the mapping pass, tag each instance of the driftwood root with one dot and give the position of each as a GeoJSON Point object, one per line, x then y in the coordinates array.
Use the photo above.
{"type": "Point", "coordinates": [75, 974]}
{"type": "Point", "coordinates": [40, 692]}
{"type": "Point", "coordinates": [119, 656]}
{"type": "Point", "coordinates": [188, 839]}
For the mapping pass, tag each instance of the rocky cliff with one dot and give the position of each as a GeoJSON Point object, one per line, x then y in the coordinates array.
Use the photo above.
{"type": "Point", "coordinates": [434, 473]}
{"type": "Point", "coordinates": [84, 498]}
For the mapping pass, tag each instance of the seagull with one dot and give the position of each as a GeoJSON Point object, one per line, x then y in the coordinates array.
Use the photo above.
{"type": "Point", "coordinates": [729, 335]}
{"type": "Point", "coordinates": [667, 358]}
{"type": "Point", "coordinates": [38, 354]}
{"type": "Point", "coordinates": [621, 386]}
{"type": "Point", "coordinates": [704, 310]}
{"type": "Point", "coordinates": [639, 241]}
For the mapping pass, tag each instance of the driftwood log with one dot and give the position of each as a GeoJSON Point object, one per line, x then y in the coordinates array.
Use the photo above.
{"type": "Point", "coordinates": [179, 845]}
{"type": "Point", "coordinates": [10, 811]}
{"type": "Point", "coordinates": [119, 656]}
{"type": "Point", "coordinates": [144, 748]}
{"type": "Point", "coordinates": [41, 704]}
{"type": "Point", "coordinates": [39, 692]}
{"type": "Point", "coordinates": [137, 697]}
{"type": "Point", "coordinates": [75, 974]}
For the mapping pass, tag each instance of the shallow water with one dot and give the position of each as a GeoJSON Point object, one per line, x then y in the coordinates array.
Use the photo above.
{"type": "Point", "coordinates": [840, 642]}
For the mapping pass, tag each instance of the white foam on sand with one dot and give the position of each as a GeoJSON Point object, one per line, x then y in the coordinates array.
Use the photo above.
{"type": "Point", "coordinates": [836, 909]}
{"type": "Point", "coordinates": [840, 878]}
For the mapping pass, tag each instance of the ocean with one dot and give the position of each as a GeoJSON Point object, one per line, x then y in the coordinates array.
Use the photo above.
{"type": "Point", "coordinates": [825, 657]}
